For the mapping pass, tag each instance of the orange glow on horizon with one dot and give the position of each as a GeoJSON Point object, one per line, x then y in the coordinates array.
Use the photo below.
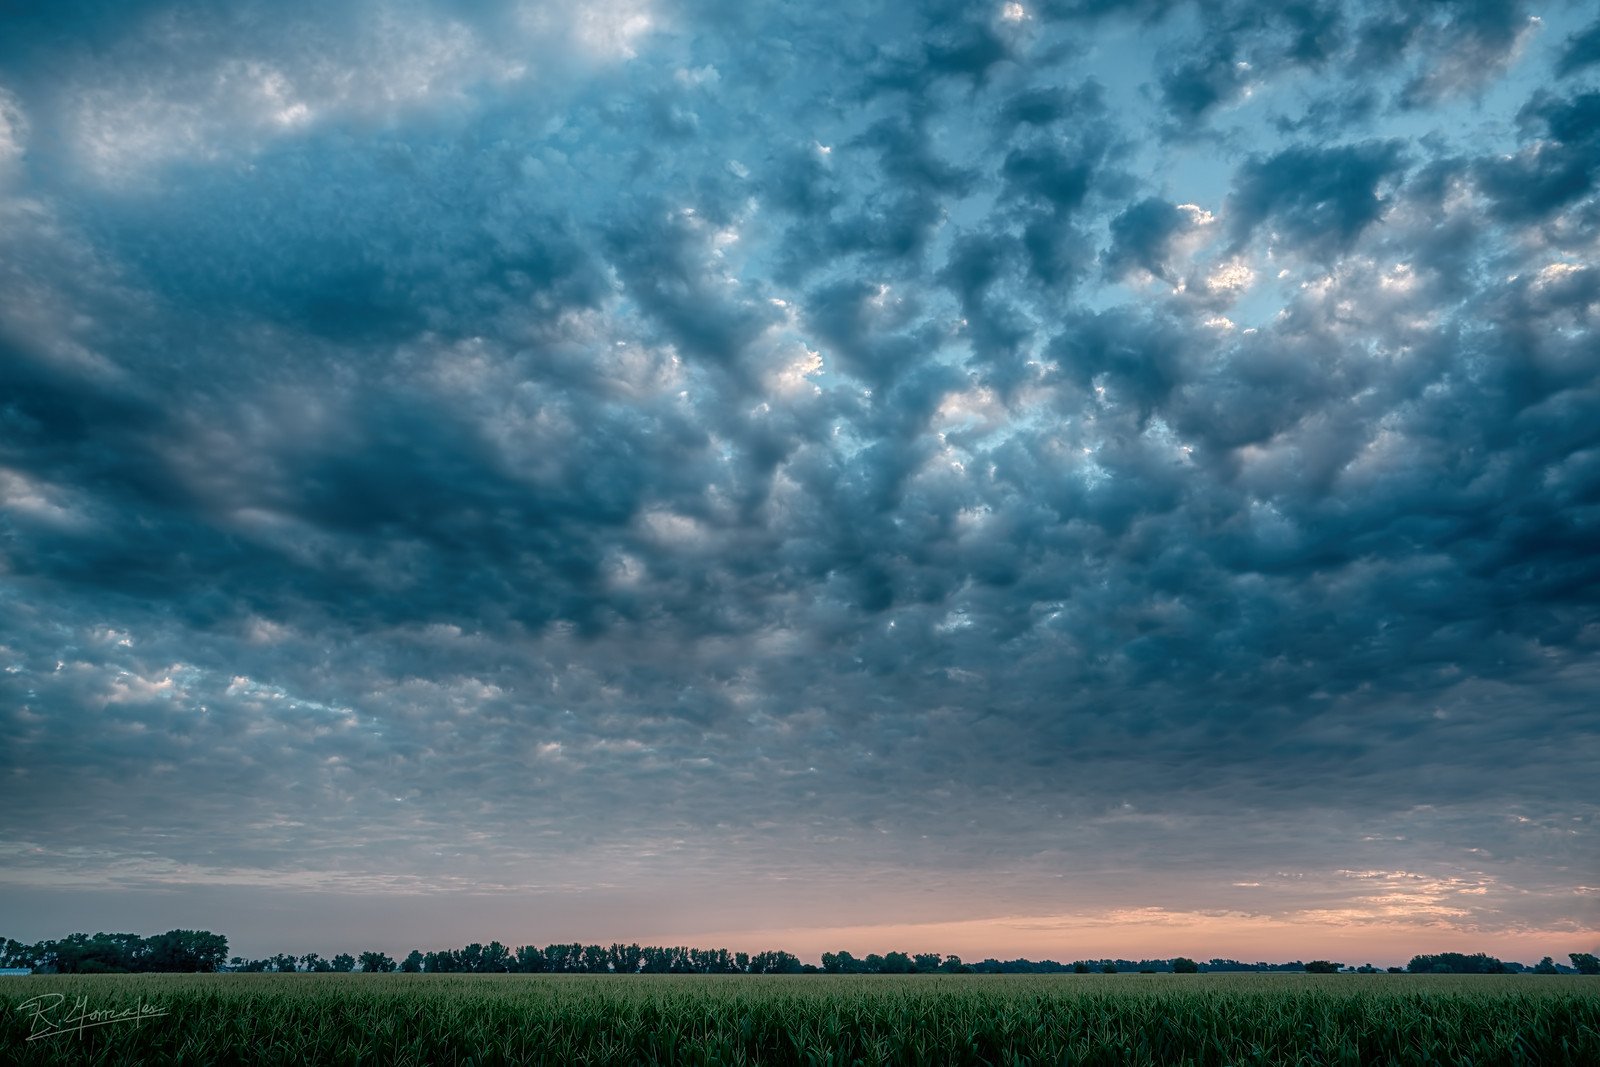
{"type": "Point", "coordinates": [1155, 934]}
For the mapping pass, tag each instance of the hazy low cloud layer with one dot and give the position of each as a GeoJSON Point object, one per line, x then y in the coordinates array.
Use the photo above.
{"type": "Point", "coordinates": [912, 466]}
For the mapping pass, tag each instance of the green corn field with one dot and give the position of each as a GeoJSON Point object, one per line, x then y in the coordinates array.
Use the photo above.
{"type": "Point", "coordinates": [811, 1020]}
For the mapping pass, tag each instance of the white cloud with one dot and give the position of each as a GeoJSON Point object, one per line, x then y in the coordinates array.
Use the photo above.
{"type": "Point", "coordinates": [613, 29]}
{"type": "Point", "coordinates": [13, 134]}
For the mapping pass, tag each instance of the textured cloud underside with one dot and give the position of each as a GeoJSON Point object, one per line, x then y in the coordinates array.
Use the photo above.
{"type": "Point", "coordinates": [1148, 452]}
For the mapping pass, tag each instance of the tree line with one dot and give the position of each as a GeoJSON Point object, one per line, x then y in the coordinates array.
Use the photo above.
{"type": "Point", "coordinates": [176, 950]}
{"type": "Point", "coordinates": [564, 958]}
{"type": "Point", "coordinates": [204, 951]}
{"type": "Point", "coordinates": [1478, 963]}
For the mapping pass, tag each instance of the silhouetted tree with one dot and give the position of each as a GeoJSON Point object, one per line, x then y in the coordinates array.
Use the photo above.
{"type": "Point", "coordinates": [412, 963]}
{"type": "Point", "coordinates": [344, 962]}
{"type": "Point", "coordinates": [1585, 962]}
{"type": "Point", "coordinates": [774, 962]}
{"type": "Point", "coordinates": [1455, 963]}
{"type": "Point", "coordinates": [1184, 965]}
{"type": "Point", "coordinates": [896, 963]}
{"type": "Point", "coordinates": [841, 963]}
{"type": "Point", "coordinates": [626, 959]}
{"type": "Point", "coordinates": [184, 950]}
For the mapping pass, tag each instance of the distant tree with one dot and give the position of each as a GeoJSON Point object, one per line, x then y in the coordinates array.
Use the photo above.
{"type": "Point", "coordinates": [1323, 967]}
{"type": "Point", "coordinates": [344, 962]}
{"type": "Point", "coordinates": [896, 963]}
{"type": "Point", "coordinates": [952, 965]}
{"type": "Point", "coordinates": [627, 959]}
{"type": "Point", "coordinates": [1080, 968]}
{"type": "Point", "coordinates": [285, 963]}
{"type": "Point", "coordinates": [15, 954]}
{"type": "Point", "coordinates": [842, 963]}
{"type": "Point", "coordinates": [1366, 968]}
{"type": "Point", "coordinates": [412, 963]}
{"type": "Point", "coordinates": [927, 962]}
{"type": "Point", "coordinates": [66, 955]}
{"type": "Point", "coordinates": [1184, 965]}
{"type": "Point", "coordinates": [873, 963]}
{"type": "Point", "coordinates": [1397, 970]}
{"type": "Point", "coordinates": [496, 958]}
{"type": "Point", "coordinates": [1108, 968]}
{"type": "Point", "coordinates": [107, 954]}
{"type": "Point", "coordinates": [376, 962]}
{"type": "Point", "coordinates": [1455, 963]}
{"type": "Point", "coordinates": [180, 950]}
{"type": "Point", "coordinates": [775, 962]}
{"type": "Point", "coordinates": [1546, 966]}
{"type": "Point", "coordinates": [1585, 962]}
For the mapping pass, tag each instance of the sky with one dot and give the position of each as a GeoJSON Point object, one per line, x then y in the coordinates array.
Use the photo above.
{"type": "Point", "coordinates": [1068, 478]}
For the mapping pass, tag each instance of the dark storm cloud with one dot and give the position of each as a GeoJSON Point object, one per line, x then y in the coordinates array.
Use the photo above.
{"type": "Point", "coordinates": [1467, 44]}
{"type": "Point", "coordinates": [1047, 105]}
{"type": "Point", "coordinates": [666, 264]}
{"type": "Point", "coordinates": [1142, 235]}
{"type": "Point", "coordinates": [1434, 52]}
{"type": "Point", "coordinates": [1556, 168]}
{"type": "Point", "coordinates": [518, 448]}
{"type": "Point", "coordinates": [1195, 86]}
{"type": "Point", "coordinates": [1581, 51]}
{"type": "Point", "coordinates": [1318, 198]}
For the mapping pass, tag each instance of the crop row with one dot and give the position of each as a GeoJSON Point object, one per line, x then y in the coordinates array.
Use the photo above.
{"type": "Point", "coordinates": [423, 1019]}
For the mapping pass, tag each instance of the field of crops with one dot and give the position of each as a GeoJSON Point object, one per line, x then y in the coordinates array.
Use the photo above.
{"type": "Point", "coordinates": [1089, 1019]}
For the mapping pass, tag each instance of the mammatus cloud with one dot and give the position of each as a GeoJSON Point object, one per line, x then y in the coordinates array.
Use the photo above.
{"type": "Point", "coordinates": [1057, 471]}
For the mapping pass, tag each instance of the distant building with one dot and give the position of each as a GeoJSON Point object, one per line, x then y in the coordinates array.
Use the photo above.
{"type": "Point", "coordinates": [15, 970]}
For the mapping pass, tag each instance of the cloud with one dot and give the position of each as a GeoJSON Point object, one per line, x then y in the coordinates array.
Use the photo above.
{"type": "Point", "coordinates": [1581, 52]}
{"type": "Point", "coordinates": [1318, 199]}
{"type": "Point", "coordinates": [1551, 171]}
{"type": "Point", "coordinates": [1143, 235]}
{"type": "Point", "coordinates": [676, 444]}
